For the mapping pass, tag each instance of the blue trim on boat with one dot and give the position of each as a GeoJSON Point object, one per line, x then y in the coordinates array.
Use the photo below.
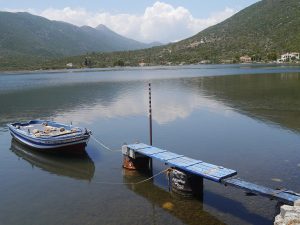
{"type": "Point", "coordinates": [32, 138]}
{"type": "Point", "coordinates": [81, 136]}
{"type": "Point", "coordinates": [47, 144]}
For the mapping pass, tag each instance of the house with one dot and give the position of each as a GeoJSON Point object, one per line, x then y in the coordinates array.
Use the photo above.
{"type": "Point", "coordinates": [245, 59]}
{"type": "Point", "coordinates": [289, 57]}
{"type": "Point", "coordinates": [69, 65]}
{"type": "Point", "coordinates": [205, 62]}
{"type": "Point", "coordinates": [141, 64]}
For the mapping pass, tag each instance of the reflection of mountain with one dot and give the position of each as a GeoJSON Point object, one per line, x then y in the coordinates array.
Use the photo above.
{"type": "Point", "coordinates": [87, 101]}
{"type": "Point", "coordinates": [48, 101]}
{"type": "Point", "coordinates": [171, 100]}
{"type": "Point", "coordinates": [77, 167]}
{"type": "Point", "coordinates": [268, 97]}
{"type": "Point", "coordinates": [189, 211]}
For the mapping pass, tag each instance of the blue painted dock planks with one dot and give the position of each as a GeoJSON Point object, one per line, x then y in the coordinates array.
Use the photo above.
{"type": "Point", "coordinates": [149, 151]}
{"type": "Point", "coordinates": [183, 162]}
{"type": "Point", "coordinates": [208, 171]}
{"type": "Point", "coordinates": [198, 167]}
{"type": "Point", "coordinates": [285, 196]}
{"type": "Point", "coordinates": [211, 172]}
{"type": "Point", "coordinates": [138, 146]}
{"type": "Point", "coordinates": [166, 156]}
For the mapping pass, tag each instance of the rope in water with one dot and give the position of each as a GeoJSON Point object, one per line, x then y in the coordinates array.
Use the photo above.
{"type": "Point", "coordinates": [122, 183]}
{"type": "Point", "coordinates": [134, 183]}
{"type": "Point", "coordinates": [103, 145]}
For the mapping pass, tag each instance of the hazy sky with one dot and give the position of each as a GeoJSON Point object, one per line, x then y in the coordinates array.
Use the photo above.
{"type": "Point", "coordinates": [143, 20]}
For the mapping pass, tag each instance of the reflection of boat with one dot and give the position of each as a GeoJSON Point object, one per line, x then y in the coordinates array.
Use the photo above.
{"type": "Point", "coordinates": [78, 166]}
{"type": "Point", "coordinates": [48, 135]}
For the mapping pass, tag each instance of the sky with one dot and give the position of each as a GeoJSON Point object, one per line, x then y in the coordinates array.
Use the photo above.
{"type": "Point", "coordinates": [143, 20]}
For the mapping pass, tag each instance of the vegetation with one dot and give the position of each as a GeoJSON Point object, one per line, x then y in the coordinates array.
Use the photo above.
{"type": "Point", "coordinates": [262, 31]}
{"type": "Point", "coordinates": [24, 35]}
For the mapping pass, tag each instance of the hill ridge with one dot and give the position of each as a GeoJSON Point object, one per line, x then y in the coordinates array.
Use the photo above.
{"type": "Point", "coordinates": [29, 35]}
{"type": "Point", "coordinates": [263, 31]}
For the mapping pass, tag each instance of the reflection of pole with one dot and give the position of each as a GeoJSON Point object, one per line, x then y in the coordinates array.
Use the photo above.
{"type": "Point", "coordinates": [150, 114]}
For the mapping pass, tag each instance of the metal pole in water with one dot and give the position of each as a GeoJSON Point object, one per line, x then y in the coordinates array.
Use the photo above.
{"type": "Point", "coordinates": [150, 114]}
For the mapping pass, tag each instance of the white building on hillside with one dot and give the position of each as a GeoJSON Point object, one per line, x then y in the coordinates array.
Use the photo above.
{"type": "Point", "coordinates": [289, 57]}
{"type": "Point", "coordinates": [245, 59]}
{"type": "Point", "coordinates": [69, 65]}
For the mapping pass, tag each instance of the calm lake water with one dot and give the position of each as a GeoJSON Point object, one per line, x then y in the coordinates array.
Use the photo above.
{"type": "Point", "coordinates": [242, 117]}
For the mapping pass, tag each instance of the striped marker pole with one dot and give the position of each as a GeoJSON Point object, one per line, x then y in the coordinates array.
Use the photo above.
{"type": "Point", "coordinates": [150, 114]}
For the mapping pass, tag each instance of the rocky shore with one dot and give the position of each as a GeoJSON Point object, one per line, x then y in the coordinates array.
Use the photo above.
{"type": "Point", "coordinates": [289, 215]}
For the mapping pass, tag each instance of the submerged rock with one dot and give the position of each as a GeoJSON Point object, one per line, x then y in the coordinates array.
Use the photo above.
{"type": "Point", "coordinates": [276, 179]}
{"type": "Point", "coordinates": [168, 205]}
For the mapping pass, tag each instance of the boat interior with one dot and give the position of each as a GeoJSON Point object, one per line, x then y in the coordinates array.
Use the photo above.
{"type": "Point", "coordinates": [45, 129]}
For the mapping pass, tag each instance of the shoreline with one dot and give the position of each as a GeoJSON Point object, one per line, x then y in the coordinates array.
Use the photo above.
{"type": "Point", "coordinates": [150, 67]}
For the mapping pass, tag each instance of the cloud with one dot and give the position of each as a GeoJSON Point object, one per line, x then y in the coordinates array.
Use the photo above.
{"type": "Point", "coordinates": [78, 16]}
{"type": "Point", "coordinates": [159, 22]}
{"type": "Point", "coordinates": [14, 10]}
{"type": "Point", "coordinates": [166, 109]}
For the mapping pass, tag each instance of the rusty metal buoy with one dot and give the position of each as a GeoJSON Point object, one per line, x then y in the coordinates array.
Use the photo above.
{"type": "Point", "coordinates": [128, 163]}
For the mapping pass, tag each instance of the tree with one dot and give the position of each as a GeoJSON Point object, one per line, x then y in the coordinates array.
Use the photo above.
{"type": "Point", "coordinates": [272, 56]}
{"type": "Point", "coordinates": [87, 62]}
{"type": "Point", "coordinates": [119, 63]}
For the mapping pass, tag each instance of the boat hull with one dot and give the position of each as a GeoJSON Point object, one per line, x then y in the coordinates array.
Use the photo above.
{"type": "Point", "coordinates": [70, 143]}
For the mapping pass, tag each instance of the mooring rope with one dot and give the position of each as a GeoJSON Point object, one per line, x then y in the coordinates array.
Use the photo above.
{"type": "Point", "coordinates": [135, 183]}
{"type": "Point", "coordinates": [104, 146]}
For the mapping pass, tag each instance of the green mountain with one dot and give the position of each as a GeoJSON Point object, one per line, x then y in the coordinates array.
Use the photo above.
{"type": "Point", "coordinates": [23, 34]}
{"type": "Point", "coordinates": [263, 31]}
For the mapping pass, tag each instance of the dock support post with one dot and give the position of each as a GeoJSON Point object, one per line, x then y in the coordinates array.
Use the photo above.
{"type": "Point", "coordinates": [136, 161]}
{"type": "Point", "coordinates": [186, 184]}
{"type": "Point", "coordinates": [142, 163]}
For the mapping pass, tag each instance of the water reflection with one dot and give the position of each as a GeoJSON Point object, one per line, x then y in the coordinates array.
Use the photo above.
{"type": "Point", "coordinates": [188, 211]}
{"type": "Point", "coordinates": [87, 102]}
{"type": "Point", "coordinates": [49, 101]}
{"type": "Point", "coordinates": [80, 167]}
{"type": "Point", "coordinates": [268, 97]}
{"type": "Point", "coordinates": [272, 98]}
{"type": "Point", "coordinates": [199, 117]}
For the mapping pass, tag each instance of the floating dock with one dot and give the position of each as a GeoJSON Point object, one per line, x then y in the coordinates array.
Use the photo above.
{"type": "Point", "coordinates": [219, 174]}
